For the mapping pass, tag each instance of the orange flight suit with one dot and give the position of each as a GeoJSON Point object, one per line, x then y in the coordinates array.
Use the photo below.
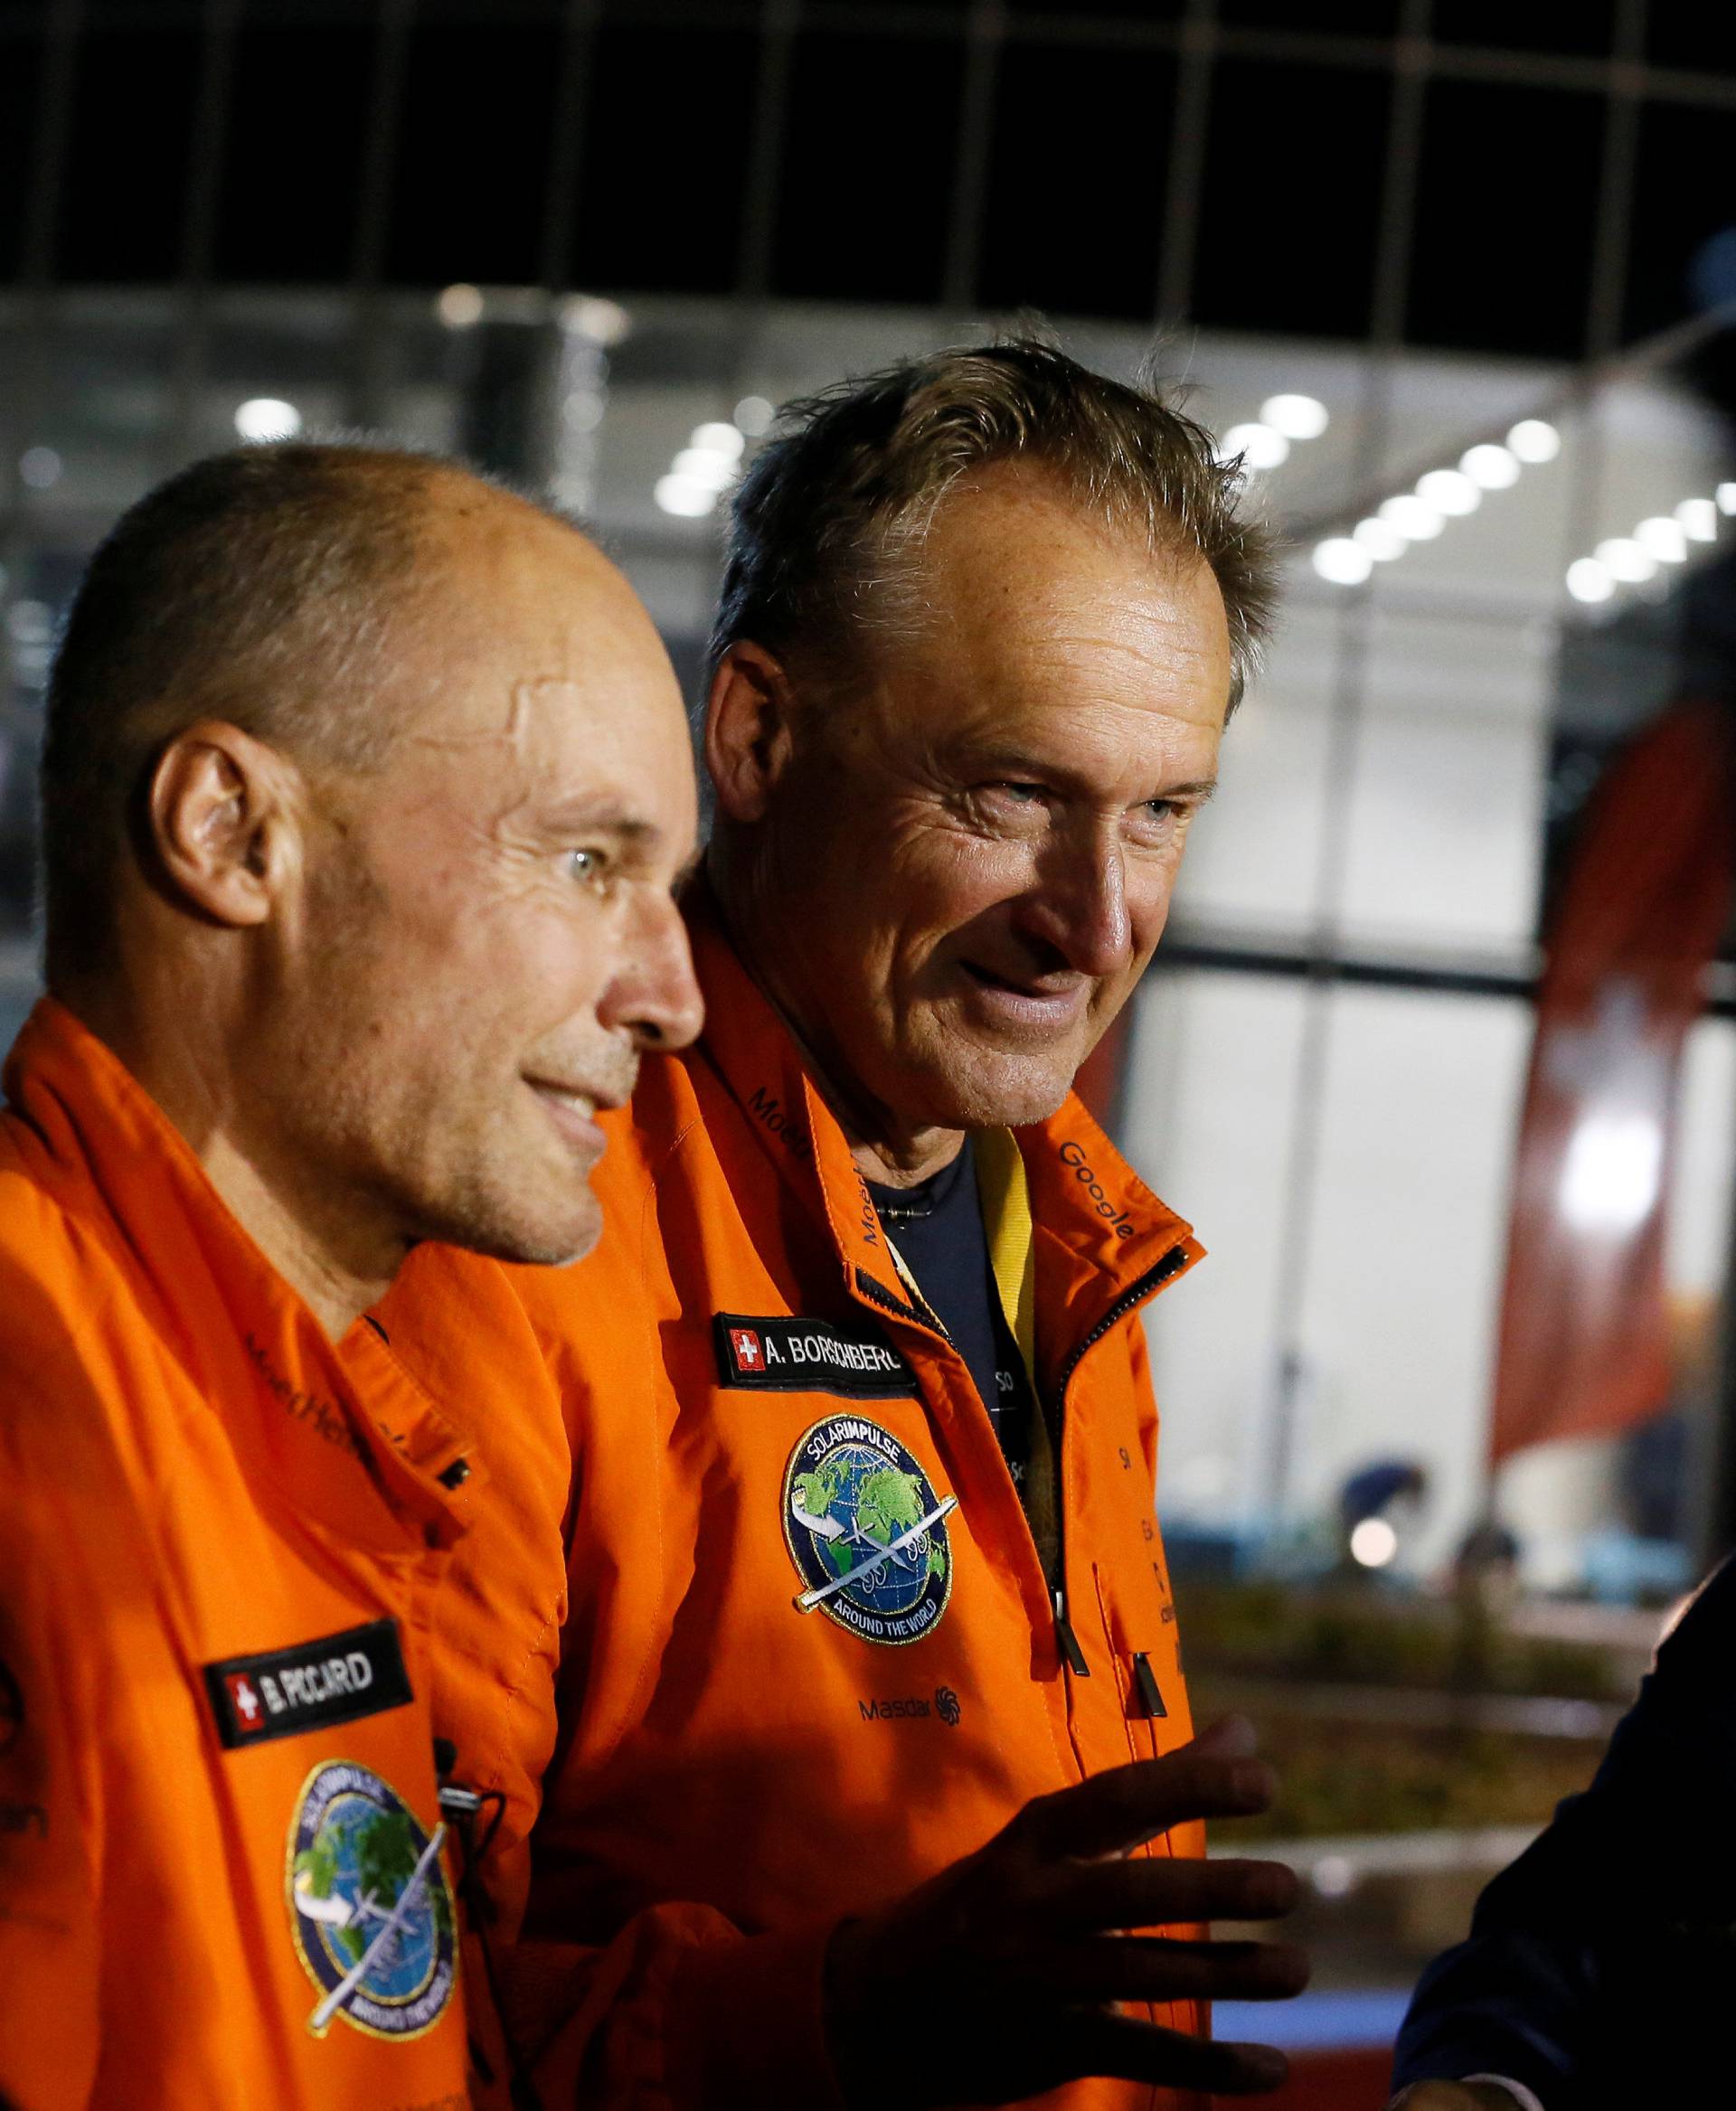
{"type": "Point", "coordinates": [746, 1758]}
{"type": "Point", "coordinates": [229, 1641]}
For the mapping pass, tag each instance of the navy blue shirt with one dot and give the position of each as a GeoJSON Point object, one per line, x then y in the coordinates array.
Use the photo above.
{"type": "Point", "coordinates": [938, 1227]}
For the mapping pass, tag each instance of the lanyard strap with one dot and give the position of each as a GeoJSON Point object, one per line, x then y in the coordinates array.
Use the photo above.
{"type": "Point", "coordinates": [1006, 1195]}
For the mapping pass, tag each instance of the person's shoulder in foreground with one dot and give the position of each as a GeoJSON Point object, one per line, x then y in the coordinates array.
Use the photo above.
{"type": "Point", "coordinates": [1596, 1970]}
{"type": "Point", "coordinates": [871, 1644]}
{"type": "Point", "coordinates": [338, 743]}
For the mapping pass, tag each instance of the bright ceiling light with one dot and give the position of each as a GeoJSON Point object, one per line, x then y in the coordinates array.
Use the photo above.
{"type": "Point", "coordinates": [701, 466]}
{"type": "Point", "coordinates": [718, 439]}
{"type": "Point", "coordinates": [1415, 518]}
{"type": "Point", "coordinates": [1494, 468]}
{"type": "Point", "coordinates": [681, 495]}
{"type": "Point", "coordinates": [1449, 491]}
{"type": "Point", "coordinates": [1343, 562]}
{"type": "Point", "coordinates": [605, 322]}
{"type": "Point", "coordinates": [1532, 439]}
{"type": "Point", "coordinates": [1726, 497]}
{"type": "Point", "coordinates": [1381, 539]}
{"type": "Point", "coordinates": [1622, 558]}
{"type": "Point", "coordinates": [460, 306]}
{"type": "Point", "coordinates": [1699, 519]}
{"type": "Point", "coordinates": [267, 418]}
{"type": "Point", "coordinates": [1295, 417]}
{"type": "Point", "coordinates": [1373, 1543]}
{"type": "Point", "coordinates": [1662, 538]}
{"type": "Point", "coordinates": [754, 414]}
{"type": "Point", "coordinates": [1258, 444]}
{"type": "Point", "coordinates": [1588, 580]}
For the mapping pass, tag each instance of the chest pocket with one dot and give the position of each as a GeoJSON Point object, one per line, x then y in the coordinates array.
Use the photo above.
{"type": "Point", "coordinates": [1139, 1627]}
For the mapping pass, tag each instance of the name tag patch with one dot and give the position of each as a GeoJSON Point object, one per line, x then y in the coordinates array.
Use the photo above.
{"type": "Point", "coordinates": [779, 1354]}
{"type": "Point", "coordinates": [281, 1692]}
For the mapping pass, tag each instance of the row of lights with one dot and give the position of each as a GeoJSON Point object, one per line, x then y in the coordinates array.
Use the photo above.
{"type": "Point", "coordinates": [707, 466]}
{"type": "Point", "coordinates": [1418, 516]}
{"type": "Point", "coordinates": [1265, 443]}
{"type": "Point", "coordinates": [1664, 539]}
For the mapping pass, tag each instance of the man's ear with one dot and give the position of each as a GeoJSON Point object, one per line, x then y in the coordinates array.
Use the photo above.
{"type": "Point", "coordinates": [748, 729]}
{"type": "Point", "coordinates": [224, 822]}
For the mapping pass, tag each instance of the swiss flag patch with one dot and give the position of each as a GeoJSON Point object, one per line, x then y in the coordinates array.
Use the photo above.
{"type": "Point", "coordinates": [749, 1354]}
{"type": "Point", "coordinates": [250, 1709]}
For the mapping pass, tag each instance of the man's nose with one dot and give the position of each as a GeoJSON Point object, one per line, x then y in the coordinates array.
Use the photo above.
{"type": "Point", "coordinates": [653, 995]}
{"type": "Point", "coordinates": [1082, 904]}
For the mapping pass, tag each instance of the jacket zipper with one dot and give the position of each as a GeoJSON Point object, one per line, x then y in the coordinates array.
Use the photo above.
{"type": "Point", "coordinates": [1172, 1264]}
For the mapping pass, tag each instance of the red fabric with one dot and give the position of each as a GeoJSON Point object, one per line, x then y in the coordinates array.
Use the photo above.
{"type": "Point", "coordinates": [1584, 1344]}
{"type": "Point", "coordinates": [1357, 2080]}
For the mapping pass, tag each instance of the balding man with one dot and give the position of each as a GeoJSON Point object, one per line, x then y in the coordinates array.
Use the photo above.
{"type": "Point", "coordinates": [364, 790]}
{"type": "Point", "coordinates": [875, 1733]}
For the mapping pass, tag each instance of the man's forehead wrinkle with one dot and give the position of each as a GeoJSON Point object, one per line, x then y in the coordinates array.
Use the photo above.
{"type": "Point", "coordinates": [518, 719]}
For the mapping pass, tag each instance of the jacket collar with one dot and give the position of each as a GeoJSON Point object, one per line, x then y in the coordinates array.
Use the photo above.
{"type": "Point", "coordinates": [352, 1437]}
{"type": "Point", "coordinates": [1100, 1230]}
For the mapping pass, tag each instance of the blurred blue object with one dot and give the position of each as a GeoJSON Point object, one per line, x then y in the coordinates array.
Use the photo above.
{"type": "Point", "coordinates": [1622, 1569]}
{"type": "Point", "coordinates": [1711, 275]}
{"type": "Point", "coordinates": [1316, 2022]}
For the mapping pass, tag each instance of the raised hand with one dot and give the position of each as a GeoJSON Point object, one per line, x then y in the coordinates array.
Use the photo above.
{"type": "Point", "coordinates": [1000, 1976]}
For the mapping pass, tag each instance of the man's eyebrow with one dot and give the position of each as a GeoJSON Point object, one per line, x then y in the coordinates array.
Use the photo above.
{"type": "Point", "coordinates": [1199, 791]}
{"type": "Point", "coordinates": [600, 814]}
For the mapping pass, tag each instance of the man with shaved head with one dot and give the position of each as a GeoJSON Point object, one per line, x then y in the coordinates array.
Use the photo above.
{"type": "Point", "coordinates": [364, 791]}
{"type": "Point", "coordinates": [877, 1780]}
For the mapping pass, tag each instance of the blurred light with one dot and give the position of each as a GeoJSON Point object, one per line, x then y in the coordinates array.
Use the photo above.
{"type": "Point", "coordinates": [1373, 1543]}
{"type": "Point", "coordinates": [1258, 444]}
{"type": "Point", "coordinates": [1381, 539]}
{"type": "Point", "coordinates": [1623, 559]}
{"type": "Point", "coordinates": [1494, 468]}
{"type": "Point", "coordinates": [718, 439]}
{"type": "Point", "coordinates": [1662, 537]}
{"type": "Point", "coordinates": [676, 494]}
{"type": "Point", "coordinates": [1334, 1876]}
{"type": "Point", "coordinates": [1588, 580]}
{"type": "Point", "coordinates": [1415, 518]}
{"type": "Point", "coordinates": [267, 418]}
{"type": "Point", "coordinates": [31, 622]}
{"type": "Point", "coordinates": [1726, 497]}
{"type": "Point", "coordinates": [754, 414]}
{"type": "Point", "coordinates": [460, 306]}
{"type": "Point", "coordinates": [701, 466]}
{"type": "Point", "coordinates": [1295, 417]}
{"type": "Point", "coordinates": [604, 322]}
{"type": "Point", "coordinates": [40, 467]}
{"type": "Point", "coordinates": [1449, 491]}
{"type": "Point", "coordinates": [1343, 562]}
{"type": "Point", "coordinates": [1699, 519]}
{"type": "Point", "coordinates": [1534, 441]}
{"type": "Point", "coordinates": [584, 410]}
{"type": "Point", "coordinates": [1610, 1180]}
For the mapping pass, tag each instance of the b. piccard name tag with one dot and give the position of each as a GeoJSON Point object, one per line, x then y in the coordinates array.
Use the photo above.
{"type": "Point", "coordinates": [809, 1355]}
{"type": "Point", "coordinates": [283, 1691]}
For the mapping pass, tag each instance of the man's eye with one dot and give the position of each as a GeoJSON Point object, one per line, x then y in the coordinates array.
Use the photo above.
{"type": "Point", "coordinates": [586, 865]}
{"type": "Point", "coordinates": [1022, 794]}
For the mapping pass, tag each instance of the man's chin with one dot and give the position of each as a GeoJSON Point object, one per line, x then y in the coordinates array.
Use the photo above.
{"type": "Point", "coordinates": [982, 1089]}
{"type": "Point", "coordinates": [553, 1238]}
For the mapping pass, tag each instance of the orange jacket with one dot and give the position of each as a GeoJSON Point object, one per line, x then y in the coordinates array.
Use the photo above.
{"type": "Point", "coordinates": [738, 1350]}
{"type": "Point", "coordinates": [229, 1641]}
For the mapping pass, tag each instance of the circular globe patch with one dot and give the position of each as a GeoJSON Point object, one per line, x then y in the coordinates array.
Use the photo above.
{"type": "Point", "coordinates": [369, 1904]}
{"type": "Point", "coordinates": [866, 1531]}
